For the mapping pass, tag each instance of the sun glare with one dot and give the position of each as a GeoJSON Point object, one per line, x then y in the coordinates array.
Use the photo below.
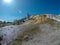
{"type": "Point", "coordinates": [7, 1]}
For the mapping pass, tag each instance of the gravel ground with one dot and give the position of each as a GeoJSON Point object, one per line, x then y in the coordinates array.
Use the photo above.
{"type": "Point", "coordinates": [47, 36]}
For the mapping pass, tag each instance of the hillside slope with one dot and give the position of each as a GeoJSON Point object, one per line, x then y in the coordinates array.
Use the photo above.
{"type": "Point", "coordinates": [38, 29]}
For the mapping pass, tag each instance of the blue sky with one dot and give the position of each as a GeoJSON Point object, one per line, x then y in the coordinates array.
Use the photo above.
{"type": "Point", "coordinates": [18, 9]}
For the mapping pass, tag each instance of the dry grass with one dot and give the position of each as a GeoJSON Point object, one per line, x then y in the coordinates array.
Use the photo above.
{"type": "Point", "coordinates": [31, 30]}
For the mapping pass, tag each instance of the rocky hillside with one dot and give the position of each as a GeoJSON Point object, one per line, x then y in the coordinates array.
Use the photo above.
{"type": "Point", "coordinates": [38, 30]}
